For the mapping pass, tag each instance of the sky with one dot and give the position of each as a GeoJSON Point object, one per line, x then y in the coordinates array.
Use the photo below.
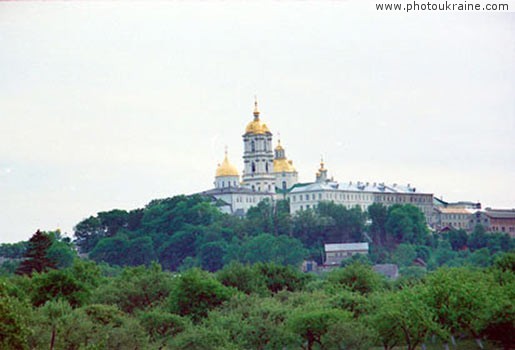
{"type": "Point", "coordinates": [109, 105]}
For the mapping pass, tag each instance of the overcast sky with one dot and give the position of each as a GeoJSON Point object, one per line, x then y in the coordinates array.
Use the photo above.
{"type": "Point", "coordinates": [112, 104]}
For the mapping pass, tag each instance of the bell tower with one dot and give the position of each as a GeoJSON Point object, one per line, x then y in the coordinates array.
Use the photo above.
{"type": "Point", "coordinates": [258, 156]}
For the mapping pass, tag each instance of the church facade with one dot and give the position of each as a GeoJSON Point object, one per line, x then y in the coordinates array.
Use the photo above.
{"type": "Point", "coordinates": [268, 173]}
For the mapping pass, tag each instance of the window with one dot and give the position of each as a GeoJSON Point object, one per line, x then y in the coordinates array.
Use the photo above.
{"type": "Point", "coordinates": [313, 196]}
{"type": "Point", "coordinates": [284, 185]}
{"type": "Point", "coordinates": [253, 167]}
{"type": "Point", "coordinates": [320, 196]}
{"type": "Point", "coordinates": [266, 166]}
{"type": "Point", "coordinates": [253, 146]}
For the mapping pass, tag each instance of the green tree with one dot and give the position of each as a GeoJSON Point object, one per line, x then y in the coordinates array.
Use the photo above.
{"type": "Point", "coordinates": [254, 322]}
{"type": "Point", "coordinates": [245, 278]}
{"type": "Point", "coordinates": [356, 278]}
{"type": "Point", "coordinates": [260, 218]}
{"type": "Point", "coordinates": [13, 250]}
{"type": "Point", "coordinates": [36, 258]}
{"type": "Point", "coordinates": [347, 224]}
{"type": "Point", "coordinates": [312, 326]}
{"type": "Point", "coordinates": [111, 250]}
{"type": "Point", "coordinates": [406, 224]}
{"type": "Point", "coordinates": [14, 320]}
{"type": "Point", "coordinates": [279, 277]}
{"type": "Point", "coordinates": [179, 246]}
{"type": "Point", "coordinates": [378, 214]}
{"type": "Point", "coordinates": [58, 284]}
{"type": "Point", "coordinates": [136, 288]}
{"type": "Point", "coordinates": [457, 239]}
{"type": "Point", "coordinates": [402, 317]}
{"type": "Point", "coordinates": [268, 248]}
{"type": "Point", "coordinates": [459, 298]}
{"type": "Point", "coordinates": [211, 255]}
{"type": "Point", "coordinates": [477, 238]}
{"type": "Point", "coordinates": [61, 251]}
{"type": "Point", "coordinates": [195, 293]}
{"type": "Point", "coordinates": [161, 325]}
{"type": "Point", "coordinates": [87, 233]}
{"type": "Point", "coordinates": [310, 228]}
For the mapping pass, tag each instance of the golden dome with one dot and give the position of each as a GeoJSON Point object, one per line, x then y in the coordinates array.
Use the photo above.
{"type": "Point", "coordinates": [279, 147]}
{"type": "Point", "coordinates": [226, 168]}
{"type": "Point", "coordinates": [255, 126]}
{"type": "Point", "coordinates": [282, 165]}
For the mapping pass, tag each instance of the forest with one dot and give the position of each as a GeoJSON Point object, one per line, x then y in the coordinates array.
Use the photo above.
{"type": "Point", "coordinates": [179, 274]}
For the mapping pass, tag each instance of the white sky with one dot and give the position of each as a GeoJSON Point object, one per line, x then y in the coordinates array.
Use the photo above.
{"type": "Point", "coordinates": [112, 104]}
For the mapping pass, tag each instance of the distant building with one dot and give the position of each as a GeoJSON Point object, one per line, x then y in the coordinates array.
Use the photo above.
{"type": "Point", "coordinates": [336, 252]}
{"type": "Point", "coordinates": [362, 194]}
{"type": "Point", "coordinates": [453, 218]}
{"type": "Point", "coordinates": [496, 220]}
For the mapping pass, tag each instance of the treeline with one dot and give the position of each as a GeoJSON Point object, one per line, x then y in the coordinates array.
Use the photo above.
{"type": "Point", "coordinates": [184, 232]}
{"type": "Point", "coordinates": [260, 306]}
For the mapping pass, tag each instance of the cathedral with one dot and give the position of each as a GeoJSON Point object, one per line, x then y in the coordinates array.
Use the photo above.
{"type": "Point", "coordinates": [267, 173]}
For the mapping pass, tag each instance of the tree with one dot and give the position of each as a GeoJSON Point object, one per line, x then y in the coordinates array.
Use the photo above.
{"type": "Point", "coordinates": [312, 326]}
{"type": "Point", "coordinates": [406, 224]}
{"type": "Point", "coordinates": [457, 239]}
{"type": "Point", "coordinates": [61, 251]}
{"type": "Point", "coordinates": [13, 250]}
{"type": "Point", "coordinates": [268, 248]}
{"type": "Point", "coordinates": [459, 298]}
{"type": "Point", "coordinates": [245, 278]}
{"type": "Point", "coordinates": [260, 218]}
{"type": "Point", "coordinates": [161, 325]}
{"type": "Point", "coordinates": [14, 323]}
{"type": "Point", "coordinates": [477, 238]}
{"type": "Point", "coordinates": [355, 277]}
{"type": "Point", "coordinates": [378, 214]}
{"type": "Point", "coordinates": [177, 248]}
{"type": "Point", "coordinates": [195, 293]}
{"type": "Point", "coordinates": [136, 288]}
{"type": "Point", "coordinates": [347, 224]}
{"type": "Point", "coordinates": [87, 233]}
{"type": "Point", "coordinates": [254, 322]}
{"type": "Point", "coordinates": [310, 228]}
{"type": "Point", "coordinates": [36, 258]}
{"type": "Point", "coordinates": [402, 316]}
{"type": "Point", "coordinates": [112, 250]}
{"type": "Point", "coordinates": [279, 277]}
{"type": "Point", "coordinates": [58, 284]}
{"type": "Point", "coordinates": [211, 255]}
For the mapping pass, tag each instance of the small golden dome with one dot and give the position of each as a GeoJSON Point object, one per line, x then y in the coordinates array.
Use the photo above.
{"type": "Point", "coordinates": [226, 168]}
{"type": "Point", "coordinates": [282, 165]}
{"type": "Point", "coordinates": [279, 147]}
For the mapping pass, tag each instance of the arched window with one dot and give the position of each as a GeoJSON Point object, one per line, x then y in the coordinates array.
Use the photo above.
{"type": "Point", "coordinates": [266, 166]}
{"type": "Point", "coordinates": [253, 146]}
{"type": "Point", "coordinates": [284, 185]}
{"type": "Point", "coordinates": [253, 167]}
